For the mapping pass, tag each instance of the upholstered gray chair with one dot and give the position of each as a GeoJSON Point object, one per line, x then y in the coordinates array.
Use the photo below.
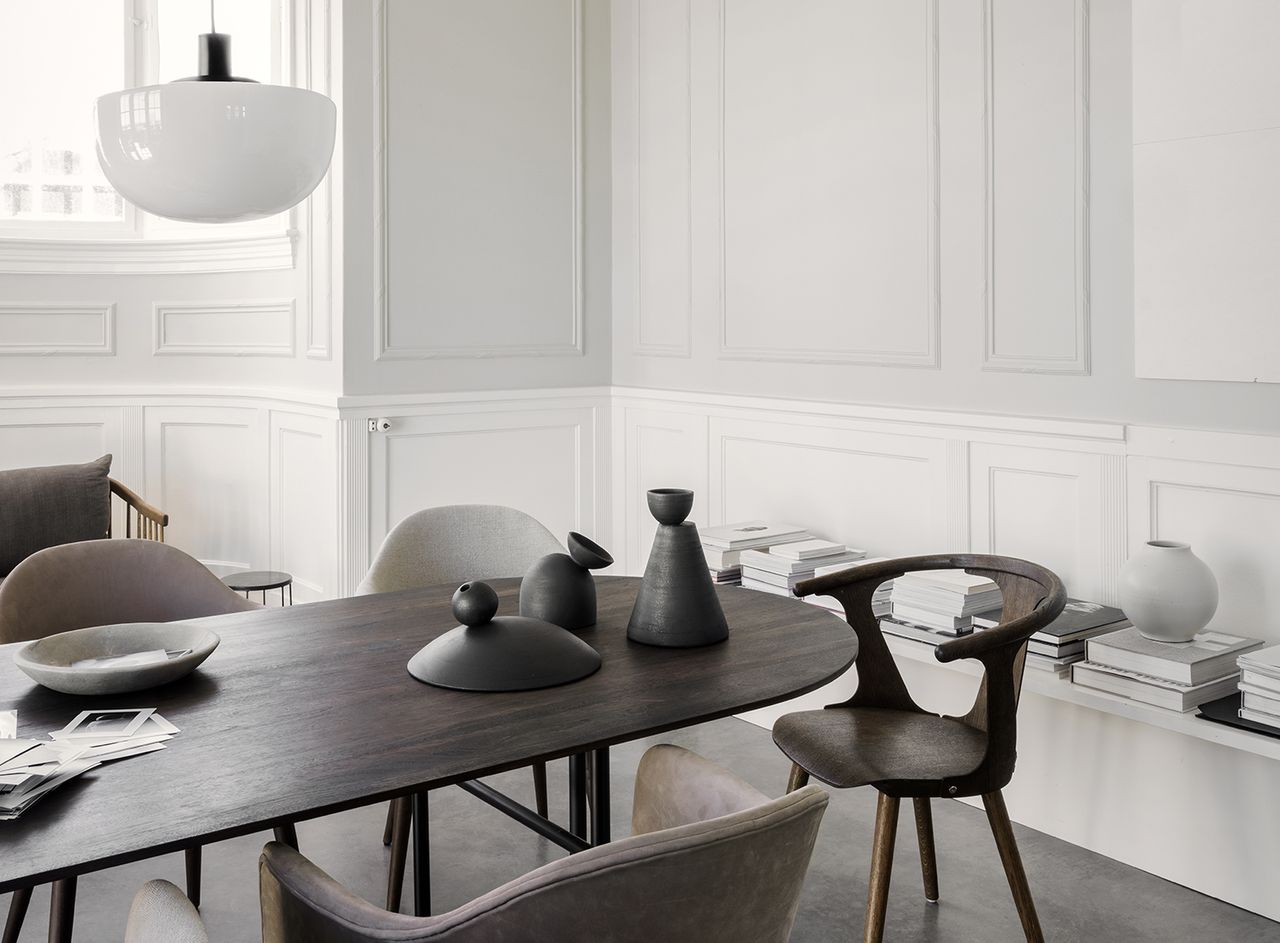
{"type": "Point", "coordinates": [711, 860]}
{"type": "Point", "coordinates": [103, 582]}
{"type": "Point", "coordinates": [162, 914]}
{"type": "Point", "coordinates": [453, 543]}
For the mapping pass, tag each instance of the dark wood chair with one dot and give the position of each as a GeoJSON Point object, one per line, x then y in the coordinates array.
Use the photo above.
{"type": "Point", "coordinates": [881, 738]}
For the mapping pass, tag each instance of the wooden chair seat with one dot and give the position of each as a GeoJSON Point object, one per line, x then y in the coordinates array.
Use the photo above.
{"type": "Point", "coordinates": [906, 753]}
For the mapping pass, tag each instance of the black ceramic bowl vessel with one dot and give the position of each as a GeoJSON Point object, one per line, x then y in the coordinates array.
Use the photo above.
{"type": "Point", "coordinates": [670, 505]}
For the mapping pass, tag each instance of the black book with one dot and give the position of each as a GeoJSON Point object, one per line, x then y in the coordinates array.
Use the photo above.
{"type": "Point", "coordinates": [1081, 619]}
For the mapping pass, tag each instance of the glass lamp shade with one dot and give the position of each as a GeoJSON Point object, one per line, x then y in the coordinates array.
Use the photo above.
{"type": "Point", "coordinates": [215, 151]}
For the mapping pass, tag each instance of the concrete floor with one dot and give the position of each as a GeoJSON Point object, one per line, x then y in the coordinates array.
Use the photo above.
{"type": "Point", "coordinates": [1081, 896]}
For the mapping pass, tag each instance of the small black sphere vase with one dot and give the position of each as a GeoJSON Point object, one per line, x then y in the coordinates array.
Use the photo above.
{"type": "Point", "coordinates": [559, 588]}
{"type": "Point", "coordinates": [677, 606]}
{"type": "Point", "coordinates": [488, 652]}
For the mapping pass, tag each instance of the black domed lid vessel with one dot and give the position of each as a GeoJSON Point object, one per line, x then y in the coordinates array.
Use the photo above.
{"type": "Point", "coordinates": [506, 653]}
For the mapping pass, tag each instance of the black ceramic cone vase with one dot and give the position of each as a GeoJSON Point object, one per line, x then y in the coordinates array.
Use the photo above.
{"type": "Point", "coordinates": [507, 653]}
{"type": "Point", "coordinates": [677, 606]}
{"type": "Point", "coordinates": [559, 587]}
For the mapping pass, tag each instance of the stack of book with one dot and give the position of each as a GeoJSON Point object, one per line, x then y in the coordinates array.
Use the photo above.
{"type": "Point", "coordinates": [1178, 677]}
{"type": "Point", "coordinates": [879, 599]}
{"type": "Point", "coordinates": [723, 545]}
{"type": "Point", "coordinates": [1061, 643]}
{"type": "Point", "coordinates": [778, 569]}
{"type": "Point", "coordinates": [933, 605]}
{"type": "Point", "coordinates": [1260, 686]}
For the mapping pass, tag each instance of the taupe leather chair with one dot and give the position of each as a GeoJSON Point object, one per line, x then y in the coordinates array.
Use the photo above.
{"type": "Point", "coordinates": [711, 860]}
{"type": "Point", "coordinates": [881, 738]}
{"type": "Point", "coordinates": [103, 582]}
{"type": "Point", "coordinates": [162, 914]}
{"type": "Point", "coordinates": [453, 543]}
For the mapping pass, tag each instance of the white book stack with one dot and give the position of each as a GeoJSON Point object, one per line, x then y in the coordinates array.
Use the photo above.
{"type": "Point", "coordinates": [1177, 677]}
{"type": "Point", "coordinates": [879, 599]}
{"type": "Point", "coordinates": [778, 569]}
{"type": "Point", "coordinates": [1260, 686]}
{"type": "Point", "coordinates": [723, 545]}
{"type": "Point", "coordinates": [941, 601]}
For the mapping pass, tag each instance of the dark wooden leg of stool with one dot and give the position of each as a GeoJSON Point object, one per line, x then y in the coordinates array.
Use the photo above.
{"type": "Point", "coordinates": [928, 857]}
{"type": "Point", "coordinates": [798, 779]}
{"type": "Point", "coordinates": [62, 910]}
{"type": "Point", "coordinates": [881, 868]}
{"type": "Point", "coordinates": [401, 818]}
{"type": "Point", "coordinates": [193, 876]}
{"type": "Point", "coordinates": [1001, 828]}
{"type": "Point", "coordinates": [18, 905]}
{"type": "Point", "coordinates": [287, 834]}
{"type": "Point", "coordinates": [540, 788]}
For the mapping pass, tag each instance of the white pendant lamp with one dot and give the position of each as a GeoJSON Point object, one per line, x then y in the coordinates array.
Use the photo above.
{"type": "Point", "coordinates": [215, 148]}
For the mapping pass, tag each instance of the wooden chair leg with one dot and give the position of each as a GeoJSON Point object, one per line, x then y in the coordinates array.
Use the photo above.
{"type": "Point", "coordinates": [540, 788]}
{"type": "Point", "coordinates": [928, 857]}
{"type": "Point", "coordinates": [193, 857]}
{"type": "Point", "coordinates": [391, 821]}
{"type": "Point", "coordinates": [401, 819]}
{"type": "Point", "coordinates": [798, 779]}
{"type": "Point", "coordinates": [18, 905]}
{"type": "Point", "coordinates": [1001, 828]}
{"type": "Point", "coordinates": [881, 868]}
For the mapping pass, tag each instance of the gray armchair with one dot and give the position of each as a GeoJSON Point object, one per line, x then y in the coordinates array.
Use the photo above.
{"type": "Point", "coordinates": [712, 860]}
{"type": "Point", "coordinates": [162, 914]}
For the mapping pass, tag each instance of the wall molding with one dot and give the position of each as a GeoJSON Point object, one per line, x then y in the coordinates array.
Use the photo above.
{"type": "Point", "coordinates": [684, 348]}
{"type": "Point", "coordinates": [930, 357]}
{"type": "Point", "coordinates": [255, 253]}
{"type": "Point", "coordinates": [168, 316]}
{"type": "Point", "coordinates": [383, 348]}
{"type": "Point", "coordinates": [48, 340]}
{"type": "Point", "coordinates": [1078, 361]}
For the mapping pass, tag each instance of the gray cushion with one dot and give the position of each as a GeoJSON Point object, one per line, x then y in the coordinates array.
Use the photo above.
{"type": "Point", "coordinates": [52, 505]}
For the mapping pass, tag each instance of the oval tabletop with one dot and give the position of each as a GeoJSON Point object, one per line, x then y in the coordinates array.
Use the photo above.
{"type": "Point", "coordinates": [308, 710]}
{"type": "Point", "coordinates": [255, 580]}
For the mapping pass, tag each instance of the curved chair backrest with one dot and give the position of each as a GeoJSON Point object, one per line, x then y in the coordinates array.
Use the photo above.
{"type": "Point", "coordinates": [456, 543]}
{"type": "Point", "coordinates": [104, 582]}
{"type": "Point", "coordinates": [734, 878]}
{"type": "Point", "coordinates": [161, 913]}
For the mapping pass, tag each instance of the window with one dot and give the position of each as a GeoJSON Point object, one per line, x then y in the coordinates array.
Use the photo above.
{"type": "Point", "coordinates": [60, 55]}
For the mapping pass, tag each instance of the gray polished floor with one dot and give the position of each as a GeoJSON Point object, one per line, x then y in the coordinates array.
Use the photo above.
{"type": "Point", "coordinates": [1081, 896]}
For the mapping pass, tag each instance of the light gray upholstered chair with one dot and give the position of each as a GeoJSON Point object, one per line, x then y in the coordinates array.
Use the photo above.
{"type": "Point", "coordinates": [162, 914]}
{"type": "Point", "coordinates": [452, 544]}
{"type": "Point", "coordinates": [103, 582]}
{"type": "Point", "coordinates": [711, 860]}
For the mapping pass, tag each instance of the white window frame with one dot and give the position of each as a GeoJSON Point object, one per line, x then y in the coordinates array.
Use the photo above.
{"type": "Point", "coordinates": [140, 244]}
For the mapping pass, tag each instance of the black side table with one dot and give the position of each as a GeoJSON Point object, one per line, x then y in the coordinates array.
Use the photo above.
{"type": "Point", "coordinates": [259, 581]}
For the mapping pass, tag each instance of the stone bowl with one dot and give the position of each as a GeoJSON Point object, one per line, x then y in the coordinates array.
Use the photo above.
{"type": "Point", "coordinates": [48, 661]}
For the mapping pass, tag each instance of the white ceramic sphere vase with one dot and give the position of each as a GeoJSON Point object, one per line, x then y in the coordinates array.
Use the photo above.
{"type": "Point", "coordinates": [1168, 592]}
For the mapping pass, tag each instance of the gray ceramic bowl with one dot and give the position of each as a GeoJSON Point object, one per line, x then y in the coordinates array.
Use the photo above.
{"type": "Point", "coordinates": [48, 661]}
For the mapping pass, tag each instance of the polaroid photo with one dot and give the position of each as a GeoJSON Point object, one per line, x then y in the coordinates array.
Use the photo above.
{"type": "Point", "coordinates": [102, 725]}
{"type": "Point", "coordinates": [8, 725]}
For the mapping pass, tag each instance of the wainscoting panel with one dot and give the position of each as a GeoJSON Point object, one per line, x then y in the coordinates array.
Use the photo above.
{"type": "Point", "coordinates": [540, 461]}
{"type": "Point", "coordinates": [1230, 514]}
{"type": "Point", "coordinates": [235, 329]}
{"type": "Point", "coordinates": [663, 450]}
{"type": "Point", "coordinates": [1042, 505]}
{"type": "Point", "coordinates": [801, 275]}
{"type": "Point", "coordinates": [304, 518]}
{"type": "Point", "coordinates": [881, 492]}
{"type": "Point", "coordinates": [1037, 222]}
{"type": "Point", "coordinates": [44, 329]}
{"type": "Point", "coordinates": [207, 467]}
{"type": "Point", "coordinates": [66, 436]}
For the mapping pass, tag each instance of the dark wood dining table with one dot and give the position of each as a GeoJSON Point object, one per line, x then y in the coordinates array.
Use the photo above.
{"type": "Point", "coordinates": [309, 710]}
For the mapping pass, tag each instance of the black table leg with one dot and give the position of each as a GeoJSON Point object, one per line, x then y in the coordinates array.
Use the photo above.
{"type": "Point", "coordinates": [62, 910]}
{"type": "Point", "coordinates": [600, 796]}
{"type": "Point", "coordinates": [287, 834]}
{"type": "Point", "coordinates": [421, 855]}
{"type": "Point", "coordinates": [578, 794]}
{"type": "Point", "coordinates": [18, 905]}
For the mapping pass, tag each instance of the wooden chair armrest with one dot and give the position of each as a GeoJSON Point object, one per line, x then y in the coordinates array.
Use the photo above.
{"type": "Point", "coordinates": [979, 643]}
{"type": "Point", "coordinates": [139, 503]}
